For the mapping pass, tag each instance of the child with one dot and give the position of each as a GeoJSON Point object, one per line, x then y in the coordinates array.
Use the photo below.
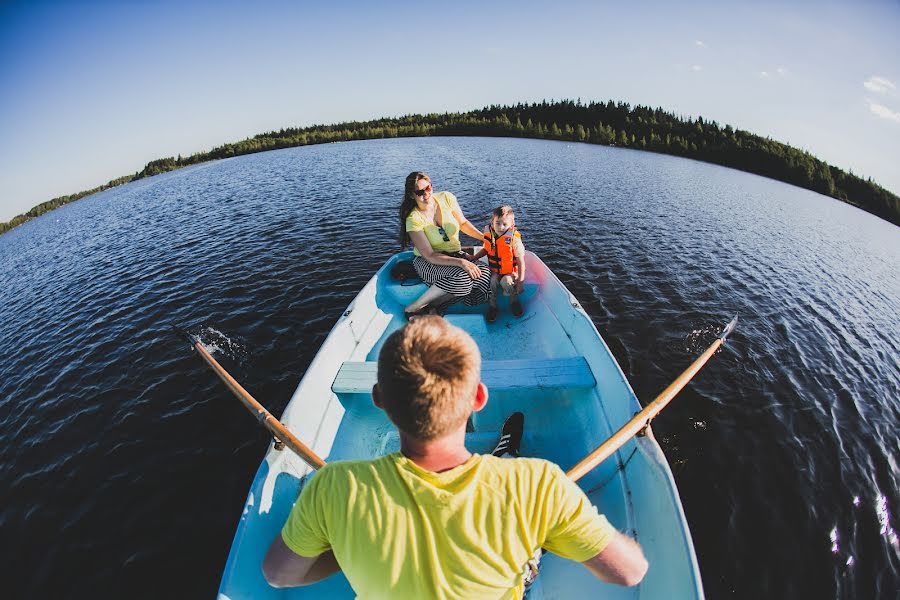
{"type": "Point", "coordinates": [506, 258]}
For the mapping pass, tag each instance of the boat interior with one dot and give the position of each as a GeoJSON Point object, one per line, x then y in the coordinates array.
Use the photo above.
{"type": "Point", "coordinates": [550, 364]}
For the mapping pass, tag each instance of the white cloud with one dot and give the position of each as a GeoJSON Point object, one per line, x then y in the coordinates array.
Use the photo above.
{"type": "Point", "coordinates": [781, 71]}
{"type": "Point", "coordinates": [884, 112]}
{"type": "Point", "coordinates": [699, 44]}
{"type": "Point", "coordinates": [696, 68]}
{"type": "Point", "coordinates": [764, 74]}
{"type": "Point", "coordinates": [880, 85]}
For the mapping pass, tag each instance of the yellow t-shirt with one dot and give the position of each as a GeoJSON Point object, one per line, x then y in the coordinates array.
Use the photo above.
{"type": "Point", "coordinates": [416, 221]}
{"type": "Point", "coordinates": [399, 531]}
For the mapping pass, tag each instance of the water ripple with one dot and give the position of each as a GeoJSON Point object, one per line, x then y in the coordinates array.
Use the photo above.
{"type": "Point", "coordinates": [118, 445]}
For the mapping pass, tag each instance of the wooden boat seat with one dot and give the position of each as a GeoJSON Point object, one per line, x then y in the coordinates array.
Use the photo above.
{"type": "Point", "coordinates": [499, 375]}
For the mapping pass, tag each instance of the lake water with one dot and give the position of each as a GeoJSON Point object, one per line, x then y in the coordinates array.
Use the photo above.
{"type": "Point", "coordinates": [125, 463]}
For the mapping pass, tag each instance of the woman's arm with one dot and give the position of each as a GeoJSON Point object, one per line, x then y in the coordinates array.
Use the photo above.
{"type": "Point", "coordinates": [436, 258]}
{"type": "Point", "coordinates": [466, 227]}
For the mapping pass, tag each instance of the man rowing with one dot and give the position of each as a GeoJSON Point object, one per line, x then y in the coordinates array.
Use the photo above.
{"type": "Point", "coordinates": [434, 520]}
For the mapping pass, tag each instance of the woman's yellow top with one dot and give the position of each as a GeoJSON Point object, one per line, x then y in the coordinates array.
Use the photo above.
{"type": "Point", "coordinates": [416, 221]}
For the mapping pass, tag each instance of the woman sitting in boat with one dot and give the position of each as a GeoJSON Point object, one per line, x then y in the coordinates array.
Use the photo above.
{"type": "Point", "coordinates": [432, 222]}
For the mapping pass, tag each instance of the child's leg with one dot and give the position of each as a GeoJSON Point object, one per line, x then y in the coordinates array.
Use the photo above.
{"type": "Point", "coordinates": [510, 289]}
{"type": "Point", "coordinates": [495, 289]}
{"type": "Point", "coordinates": [514, 289]}
{"type": "Point", "coordinates": [508, 283]}
{"type": "Point", "coordinates": [491, 315]}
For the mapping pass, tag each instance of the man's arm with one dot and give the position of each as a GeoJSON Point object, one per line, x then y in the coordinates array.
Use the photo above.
{"type": "Point", "coordinates": [622, 562]}
{"type": "Point", "coordinates": [283, 567]}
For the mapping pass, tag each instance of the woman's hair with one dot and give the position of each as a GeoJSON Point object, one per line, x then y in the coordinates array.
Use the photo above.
{"type": "Point", "coordinates": [409, 203]}
{"type": "Point", "coordinates": [428, 373]}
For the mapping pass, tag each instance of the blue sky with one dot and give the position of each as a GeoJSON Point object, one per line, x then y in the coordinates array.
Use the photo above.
{"type": "Point", "coordinates": [91, 91]}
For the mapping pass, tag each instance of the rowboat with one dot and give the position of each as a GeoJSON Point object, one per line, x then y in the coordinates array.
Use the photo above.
{"type": "Point", "coordinates": [551, 364]}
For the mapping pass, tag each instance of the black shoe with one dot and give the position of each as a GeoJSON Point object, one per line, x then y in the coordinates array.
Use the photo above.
{"type": "Point", "coordinates": [516, 308]}
{"type": "Point", "coordinates": [510, 435]}
{"type": "Point", "coordinates": [491, 315]}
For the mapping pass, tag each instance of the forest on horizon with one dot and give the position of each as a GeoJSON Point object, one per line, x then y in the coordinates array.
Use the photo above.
{"type": "Point", "coordinates": [605, 123]}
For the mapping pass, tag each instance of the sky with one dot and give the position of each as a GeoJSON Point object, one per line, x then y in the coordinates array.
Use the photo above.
{"type": "Point", "coordinates": [91, 91]}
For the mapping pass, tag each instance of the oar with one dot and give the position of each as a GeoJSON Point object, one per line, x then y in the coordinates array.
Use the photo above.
{"type": "Point", "coordinates": [643, 418]}
{"type": "Point", "coordinates": [262, 415]}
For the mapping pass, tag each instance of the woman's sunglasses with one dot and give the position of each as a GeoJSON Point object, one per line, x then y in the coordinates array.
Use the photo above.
{"type": "Point", "coordinates": [421, 192]}
{"type": "Point", "coordinates": [443, 233]}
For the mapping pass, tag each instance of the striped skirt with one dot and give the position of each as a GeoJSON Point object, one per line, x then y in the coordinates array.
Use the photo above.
{"type": "Point", "coordinates": [456, 281]}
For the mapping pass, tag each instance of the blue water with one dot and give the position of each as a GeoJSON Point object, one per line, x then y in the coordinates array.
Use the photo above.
{"type": "Point", "coordinates": [125, 462]}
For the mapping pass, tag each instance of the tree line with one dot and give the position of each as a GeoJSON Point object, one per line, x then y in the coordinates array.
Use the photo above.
{"type": "Point", "coordinates": [606, 123]}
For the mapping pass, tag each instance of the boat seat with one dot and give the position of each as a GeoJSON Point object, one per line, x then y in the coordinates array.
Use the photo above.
{"type": "Point", "coordinates": [407, 293]}
{"type": "Point", "coordinates": [498, 375]}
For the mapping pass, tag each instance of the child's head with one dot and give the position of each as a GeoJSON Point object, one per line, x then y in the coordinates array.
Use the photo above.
{"type": "Point", "coordinates": [503, 219]}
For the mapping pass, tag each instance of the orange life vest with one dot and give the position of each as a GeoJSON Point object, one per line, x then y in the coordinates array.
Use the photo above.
{"type": "Point", "coordinates": [501, 250]}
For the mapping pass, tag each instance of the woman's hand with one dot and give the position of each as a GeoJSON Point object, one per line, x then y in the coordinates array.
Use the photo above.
{"type": "Point", "coordinates": [472, 268]}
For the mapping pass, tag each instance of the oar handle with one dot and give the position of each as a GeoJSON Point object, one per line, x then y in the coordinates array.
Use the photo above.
{"type": "Point", "coordinates": [643, 418]}
{"type": "Point", "coordinates": [262, 415]}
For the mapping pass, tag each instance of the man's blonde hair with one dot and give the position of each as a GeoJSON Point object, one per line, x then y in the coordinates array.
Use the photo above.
{"type": "Point", "coordinates": [428, 372]}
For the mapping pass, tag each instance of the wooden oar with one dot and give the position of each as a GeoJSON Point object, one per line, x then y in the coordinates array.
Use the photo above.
{"type": "Point", "coordinates": [643, 418]}
{"type": "Point", "coordinates": [262, 415]}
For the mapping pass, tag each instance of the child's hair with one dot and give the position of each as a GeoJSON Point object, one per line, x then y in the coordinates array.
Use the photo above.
{"type": "Point", "coordinates": [428, 372]}
{"type": "Point", "coordinates": [503, 211]}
